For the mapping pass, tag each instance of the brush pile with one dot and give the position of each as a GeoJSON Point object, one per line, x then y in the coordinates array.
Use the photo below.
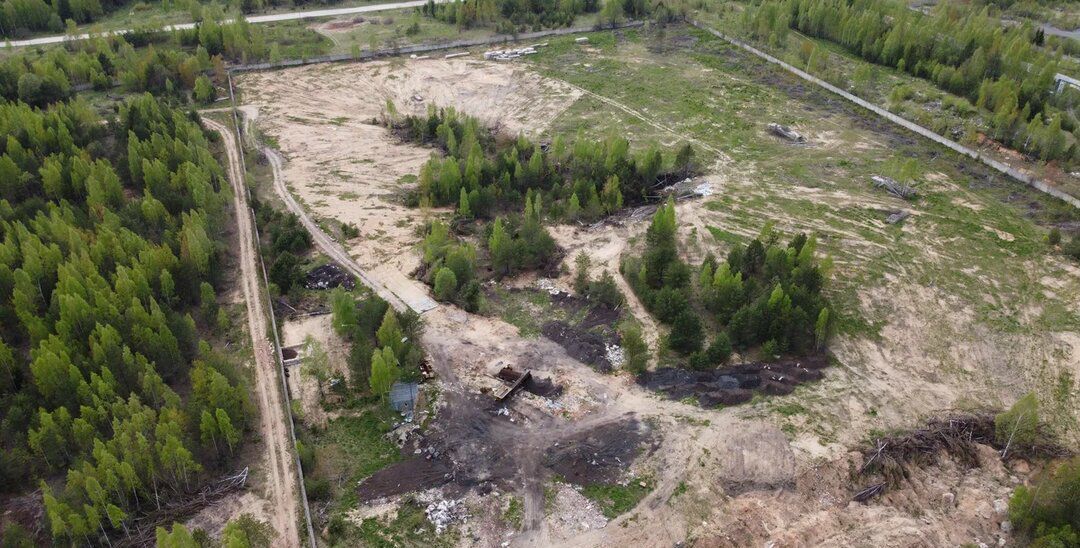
{"type": "Point", "coordinates": [957, 434]}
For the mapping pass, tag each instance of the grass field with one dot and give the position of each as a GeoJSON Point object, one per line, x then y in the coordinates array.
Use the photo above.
{"type": "Point", "coordinates": [975, 242]}
{"type": "Point", "coordinates": [916, 99]}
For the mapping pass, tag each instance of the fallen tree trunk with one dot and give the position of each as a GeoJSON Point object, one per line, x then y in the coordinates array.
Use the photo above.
{"type": "Point", "coordinates": [142, 531]}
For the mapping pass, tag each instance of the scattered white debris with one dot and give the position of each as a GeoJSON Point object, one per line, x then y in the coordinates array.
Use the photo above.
{"type": "Point", "coordinates": [509, 54]}
{"type": "Point", "coordinates": [503, 412]}
{"type": "Point", "coordinates": [400, 435]}
{"type": "Point", "coordinates": [1000, 507]}
{"type": "Point", "coordinates": [581, 40]}
{"type": "Point", "coordinates": [547, 284]}
{"type": "Point", "coordinates": [444, 513]}
{"type": "Point", "coordinates": [704, 189]}
{"type": "Point", "coordinates": [898, 189]}
{"type": "Point", "coordinates": [453, 55]}
{"type": "Point", "coordinates": [615, 355]}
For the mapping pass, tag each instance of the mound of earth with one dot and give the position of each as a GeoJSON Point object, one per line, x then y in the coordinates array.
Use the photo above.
{"type": "Point", "coordinates": [735, 384]}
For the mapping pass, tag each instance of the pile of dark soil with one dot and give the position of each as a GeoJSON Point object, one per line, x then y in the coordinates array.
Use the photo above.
{"type": "Point", "coordinates": [328, 276]}
{"type": "Point", "coordinates": [471, 445]}
{"type": "Point", "coordinates": [414, 474]}
{"type": "Point", "coordinates": [736, 384]}
{"type": "Point", "coordinates": [585, 340]}
{"type": "Point", "coordinates": [601, 454]}
{"type": "Point", "coordinates": [584, 345]}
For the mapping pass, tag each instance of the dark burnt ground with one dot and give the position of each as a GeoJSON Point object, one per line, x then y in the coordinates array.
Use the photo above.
{"type": "Point", "coordinates": [541, 386]}
{"type": "Point", "coordinates": [736, 384]}
{"type": "Point", "coordinates": [585, 339]}
{"type": "Point", "coordinates": [601, 454]}
{"type": "Point", "coordinates": [583, 328]}
{"type": "Point", "coordinates": [581, 344]}
{"type": "Point", "coordinates": [474, 444]}
{"type": "Point", "coordinates": [329, 276]}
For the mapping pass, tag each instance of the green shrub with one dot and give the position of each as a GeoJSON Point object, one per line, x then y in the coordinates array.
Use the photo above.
{"type": "Point", "coordinates": [1050, 511]}
{"type": "Point", "coordinates": [445, 284]}
{"type": "Point", "coordinates": [685, 333]}
{"type": "Point", "coordinates": [1054, 237]}
{"type": "Point", "coordinates": [317, 488]}
{"type": "Point", "coordinates": [307, 456]}
{"type": "Point", "coordinates": [635, 350]}
{"type": "Point", "coordinates": [1019, 426]}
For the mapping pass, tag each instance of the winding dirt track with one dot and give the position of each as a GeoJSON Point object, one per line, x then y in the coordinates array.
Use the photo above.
{"type": "Point", "coordinates": [281, 488]}
{"type": "Point", "coordinates": [329, 246]}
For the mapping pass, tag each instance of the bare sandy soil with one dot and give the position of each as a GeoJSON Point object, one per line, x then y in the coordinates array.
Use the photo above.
{"type": "Point", "coordinates": [303, 385]}
{"type": "Point", "coordinates": [727, 477]}
{"type": "Point", "coordinates": [343, 167]}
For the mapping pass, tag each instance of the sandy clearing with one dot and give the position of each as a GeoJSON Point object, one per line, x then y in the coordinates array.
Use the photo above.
{"type": "Point", "coordinates": [342, 167]}
{"type": "Point", "coordinates": [304, 387]}
{"type": "Point", "coordinates": [922, 361]}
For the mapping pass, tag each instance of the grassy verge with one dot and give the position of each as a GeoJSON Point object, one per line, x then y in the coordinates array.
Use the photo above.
{"type": "Point", "coordinates": [615, 499]}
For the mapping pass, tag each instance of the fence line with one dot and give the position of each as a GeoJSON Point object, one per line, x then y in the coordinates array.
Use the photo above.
{"type": "Point", "coordinates": [273, 322]}
{"type": "Point", "coordinates": [425, 48]}
{"type": "Point", "coordinates": [902, 122]}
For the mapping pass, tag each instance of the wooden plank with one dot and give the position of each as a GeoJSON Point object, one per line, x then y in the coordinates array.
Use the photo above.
{"type": "Point", "coordinates": [517, 384]}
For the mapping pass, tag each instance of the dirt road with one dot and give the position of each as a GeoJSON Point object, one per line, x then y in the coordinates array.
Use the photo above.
{"type": "Point", "coordinates": [279, 468]}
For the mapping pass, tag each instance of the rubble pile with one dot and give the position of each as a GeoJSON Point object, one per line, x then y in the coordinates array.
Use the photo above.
{"type": "Point", "coordinates": [509, 54]}
{"type": "Point", "coordinates": [893, 187]}
{"type": "Point", "coordinates": [444, 513]}
{"type": "Point", "coordinates": [786, 133]}
{"type": "Point", "coordinates": [328, 276]}
{"type": "Point", "coordinates": [615, 355]}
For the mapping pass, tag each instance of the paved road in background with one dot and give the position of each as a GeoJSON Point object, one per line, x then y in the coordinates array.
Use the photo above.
{"type": "Point", "coordinates": [291, 16]}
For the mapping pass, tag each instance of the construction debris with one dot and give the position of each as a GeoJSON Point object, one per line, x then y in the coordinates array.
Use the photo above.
{"type": "Point", "coordinates": [786, 133]}
{"type": "Point", "coordinates": [581, 40]}
{"type": "Point", "coordinates": [453, 55]}
{"type": "Point", "coordinates": [897, 216]}
{"type": "Point", "coordinates": [442, 514]}
{"type": "Point", "coordinates": [686, 189]}
{"type": "Point", "coordinates": [548, 285]}
{"type": "Point", "coordinates": [895, 188]}
{"type": "Point", "coordinates": [328, 276]}
{"type": "Point", "coordinates": [542, 387]}
{"type": "Point", "coordinates": [509, 54]}
{"type": "Point", "coordinates": [615, 355]}
{"type": "Point", "coordinates": [524, 378]}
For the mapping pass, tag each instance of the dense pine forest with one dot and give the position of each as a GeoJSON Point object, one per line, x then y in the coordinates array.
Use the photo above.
{"type": "Point", "coordinates": [763, 295]}
{"type": "Point", "coordinates": [580, 179]}
{"type": "Point", "coordinates": [111, 239]}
